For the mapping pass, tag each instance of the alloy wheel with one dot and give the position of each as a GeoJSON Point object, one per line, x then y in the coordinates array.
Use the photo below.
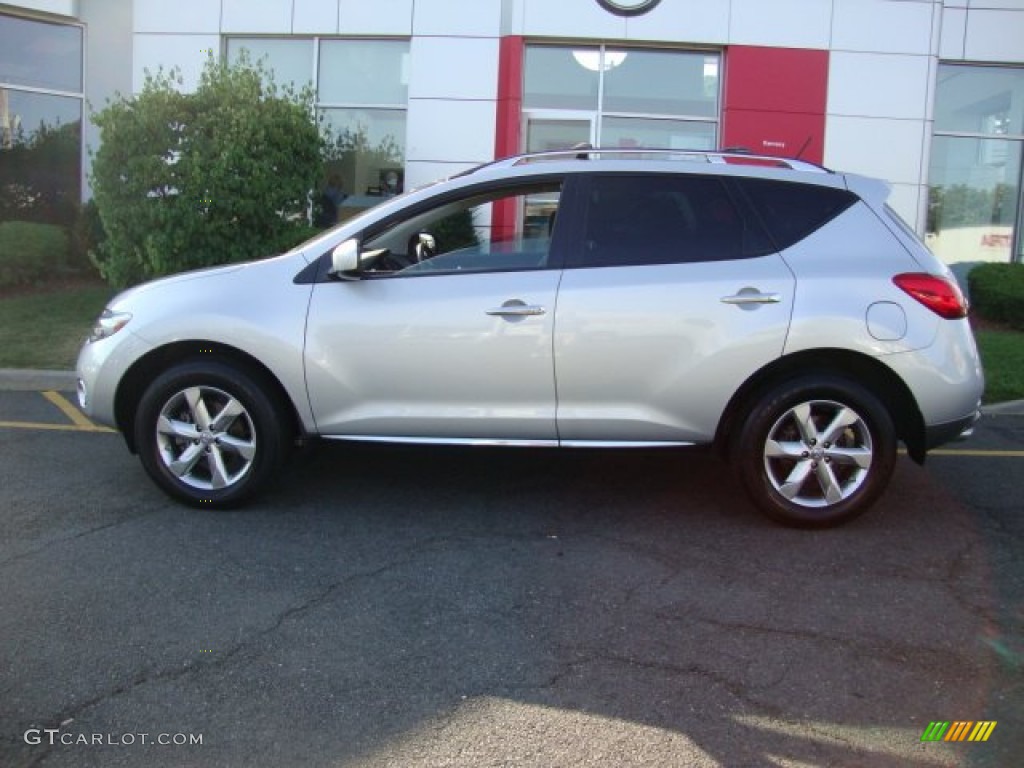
{"type": "Point", "coordinates": [206, 438]}
{"type": "Point", "coordinates": [818, 453]}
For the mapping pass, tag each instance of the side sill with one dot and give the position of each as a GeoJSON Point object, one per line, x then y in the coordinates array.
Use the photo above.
{"type": "Point", "coordinates": [623, 444]}
{"type": "Point", "coordinates": [472, 441]}
{"type": "Point", "coordinates": [504, 443]}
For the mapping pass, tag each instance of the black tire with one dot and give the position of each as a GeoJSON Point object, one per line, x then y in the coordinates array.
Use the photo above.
{"type": "Point", "coordinates": [811, 476]}
{"type": "Point", "coordinates": [223, 462]}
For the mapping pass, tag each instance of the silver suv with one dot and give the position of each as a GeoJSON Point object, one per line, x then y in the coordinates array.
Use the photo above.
{"type": "Point", "coordinates": [597, 298]}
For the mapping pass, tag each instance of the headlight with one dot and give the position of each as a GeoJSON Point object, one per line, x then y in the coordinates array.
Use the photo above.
{"type": "Point", "coordinates": [108, 324]}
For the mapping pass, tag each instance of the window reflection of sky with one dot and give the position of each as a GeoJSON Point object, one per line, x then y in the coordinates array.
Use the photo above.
{"type": "Point", "coordinates": [40, 55]}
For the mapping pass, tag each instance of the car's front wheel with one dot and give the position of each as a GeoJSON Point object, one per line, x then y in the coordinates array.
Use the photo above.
{"type": "Point", "coordinates": [208, 434]}
{"type": "Point", "coordinates": [816, 452]}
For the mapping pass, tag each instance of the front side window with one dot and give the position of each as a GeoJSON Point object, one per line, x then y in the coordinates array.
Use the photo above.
{"type": "Point", "coordinates": [663, 219]}
{"type": "Point", "coordinates": [494, 231]}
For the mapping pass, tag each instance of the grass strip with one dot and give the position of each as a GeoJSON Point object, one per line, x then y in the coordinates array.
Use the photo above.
{"type": "Point", "coordinates": [1002, 355]}
{"type": "Point", "coordinates": [45, 330]}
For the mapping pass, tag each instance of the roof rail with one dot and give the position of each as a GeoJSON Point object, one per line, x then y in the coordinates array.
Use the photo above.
{"type": "Point", "coordinates": [732, 156]}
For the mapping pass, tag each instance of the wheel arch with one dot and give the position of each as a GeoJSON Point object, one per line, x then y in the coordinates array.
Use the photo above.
{"type": "Point", "coordinates": [133, 384]}
{"type": "Point", "coordinates": [867, 371]}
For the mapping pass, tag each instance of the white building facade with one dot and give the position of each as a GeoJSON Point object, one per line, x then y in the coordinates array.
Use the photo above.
{"type": "Point", "coordinates": [927, 94]}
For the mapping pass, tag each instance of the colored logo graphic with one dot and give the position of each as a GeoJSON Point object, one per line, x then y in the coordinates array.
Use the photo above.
{"type": "Point", "coordinates": [959, 730]}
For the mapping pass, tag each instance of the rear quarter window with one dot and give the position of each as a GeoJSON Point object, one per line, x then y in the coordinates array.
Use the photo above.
{"type": "Point", "coordinates": [792, 211]}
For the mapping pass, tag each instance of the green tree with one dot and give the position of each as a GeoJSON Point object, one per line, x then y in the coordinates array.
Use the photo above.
{"type": "Point", "coordinates": [187, 180]}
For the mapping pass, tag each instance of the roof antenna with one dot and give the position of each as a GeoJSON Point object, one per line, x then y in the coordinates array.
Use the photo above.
{"type": "Point", "coordinates": [803, 148]}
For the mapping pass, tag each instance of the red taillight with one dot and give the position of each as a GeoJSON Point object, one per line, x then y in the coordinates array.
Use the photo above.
{"type": "Point", "coordinates": [941, 296]}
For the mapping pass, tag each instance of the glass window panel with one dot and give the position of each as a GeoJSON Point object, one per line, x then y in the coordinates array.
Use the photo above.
{"type": "Point", "coordinates": [40, 55]}
{"type": "Point", "coordinates": [291, 61]}
{"type": "Point", "coordinates": [40, 157]}
{"type": "Point", "coordinates": [371, 72]}
{"type": "Point", "coordinates": [973, 198]}
{"type": "Point", "coordinates": [561, 78]}
{"type": "Point", "coordinates": [987, 100]}
{"type": "Point", "coordinates": [660, 219]}
{"type": "Point", "coordinates": [661, 83]}
{"type": "Point", "coordinates": [657, 134]}
{"type": "Point", "coordinates": [547, 135]}
{"type": "Point", "coordinates": [366, 158]}
{"type": "Point", "coordinates": [482, 233]}
{"type": "Point", "coordinates": [791, 211]}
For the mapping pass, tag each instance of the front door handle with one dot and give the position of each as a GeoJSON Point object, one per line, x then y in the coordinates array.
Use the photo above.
{"type": "Point", "coordinates": [516, 308]}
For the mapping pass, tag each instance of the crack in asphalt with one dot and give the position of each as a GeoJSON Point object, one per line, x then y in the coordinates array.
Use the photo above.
{"type": "Point", "coordinates": [736, 689]}
{"type": "Point", "coordinates": [80, 535]}
{"type": "Point", "coordinates": [171, 675]}
{"type": "Point", "coordinates": [879, 648]}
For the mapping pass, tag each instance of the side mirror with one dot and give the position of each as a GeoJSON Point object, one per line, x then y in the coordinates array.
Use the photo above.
{"type": "Point", "coordinates": [426, 246]}
{"type": "Point", "coordinates": [345, 260]}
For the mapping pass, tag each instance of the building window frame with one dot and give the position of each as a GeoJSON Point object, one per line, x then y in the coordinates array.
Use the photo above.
{"type": "Point", "coordinates": [7, 86]}
{"type": "Point", "coordinates": [1017, 238]}
{"type": "Point", "coordinates": [365, 195]}
{"type": "Point", "coordinates": [599, 114]}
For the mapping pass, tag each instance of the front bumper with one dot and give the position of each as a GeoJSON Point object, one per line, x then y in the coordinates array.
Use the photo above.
{"type": "Point", "coordinates": [101, 367]}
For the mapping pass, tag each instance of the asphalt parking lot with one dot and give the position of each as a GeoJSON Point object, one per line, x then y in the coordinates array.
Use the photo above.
{"type": "Point", "coordinates": [425, 607]}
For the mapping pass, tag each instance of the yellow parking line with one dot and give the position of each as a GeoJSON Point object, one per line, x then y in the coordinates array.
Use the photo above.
{"type": "Point", "coordinates": [76, 416]}
{"type": "Point", "coordinates": [79, 422]}
{"type": "Point", "coordinates": [52, 427]}
{"type": "Point", "coordinates": [977, 452]}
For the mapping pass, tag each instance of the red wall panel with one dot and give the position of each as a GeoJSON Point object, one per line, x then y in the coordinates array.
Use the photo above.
{"type": "Point", "coordinates": [510, 95]}
{"type": "Point", "coordinates": [775, 101]}
{"type": "Point", "coordinates": [510, 119]}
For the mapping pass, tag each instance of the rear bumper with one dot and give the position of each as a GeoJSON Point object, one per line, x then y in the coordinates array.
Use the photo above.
{"type": "Point", "coordinates": [959, 429]}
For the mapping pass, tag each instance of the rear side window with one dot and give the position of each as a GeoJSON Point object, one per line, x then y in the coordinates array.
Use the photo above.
{"type": "Point", "coordinates": [792, 211]}
{"type": "Point", "coordinates": [664, 219]}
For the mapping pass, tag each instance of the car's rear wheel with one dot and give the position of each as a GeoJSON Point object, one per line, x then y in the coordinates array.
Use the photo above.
{"type": "Point", "coordinates": [816, 451]}
{"type": "Point", "coordinates": [208, 434]}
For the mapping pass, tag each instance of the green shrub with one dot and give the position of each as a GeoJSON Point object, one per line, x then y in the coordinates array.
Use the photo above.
{"type": "Point", "coordinates": [87, 235]}
{"type": "Point", "coordinates": [997, 293]}
{"type": "Point", "coordinates": [31, 252]}
{"type": "Point", "coordinates": [299, 234]}
{"type": "Point", "coordinates": [455, 231]}
{"type": "Point", "coordinates": [193, 180]}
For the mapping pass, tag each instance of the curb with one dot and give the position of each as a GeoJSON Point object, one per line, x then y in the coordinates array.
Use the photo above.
{"type": "Point", "coordinates": [14, 379]}
{"type": "Point", "coordinates": [1010, 408]}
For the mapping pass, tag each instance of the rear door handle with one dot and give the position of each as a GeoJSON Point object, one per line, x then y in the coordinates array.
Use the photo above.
{"type": "Point", "coordinates": [749, 296]}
